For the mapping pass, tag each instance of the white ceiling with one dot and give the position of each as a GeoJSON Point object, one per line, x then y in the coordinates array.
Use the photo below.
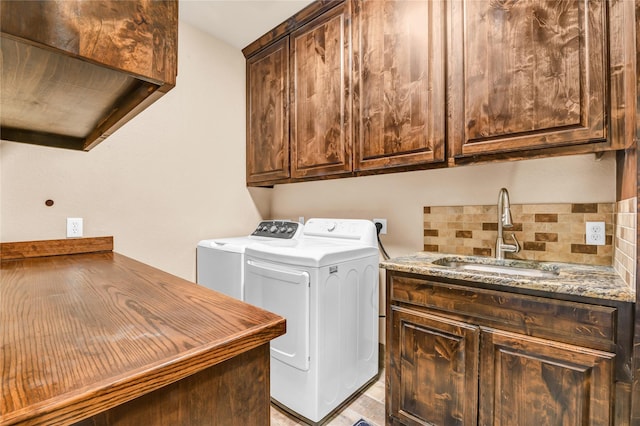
{"type": "Point", "coordinates": [238, 22]}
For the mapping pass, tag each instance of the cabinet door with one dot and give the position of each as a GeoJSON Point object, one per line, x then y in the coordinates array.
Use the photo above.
{"type": "Point", "coordinates": [526, 75]}
{"type": "Point", "coordinates": [320, 98]}
{"type": "Point", "coordinates": [526, 381]}
{"type": "Point", "coordinates": [399, 86]}
{"type": "Point", "coordinates": [433, 370]}
{"type": "Point", "coordinates": [267, 114]}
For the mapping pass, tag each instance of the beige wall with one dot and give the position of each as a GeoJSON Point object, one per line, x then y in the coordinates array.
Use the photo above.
{"type": "Point", "coordinates": [175, 175]}
{"type": "Point", "coordinates": [400, 197]}
{"type": "Point", "coordinates": [165, 180]}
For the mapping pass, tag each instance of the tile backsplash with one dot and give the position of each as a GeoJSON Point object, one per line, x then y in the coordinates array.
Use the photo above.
{"type": "Point", "coordinates": [625, 250]}
{"type": "Point", "coordinates": [546, 232]}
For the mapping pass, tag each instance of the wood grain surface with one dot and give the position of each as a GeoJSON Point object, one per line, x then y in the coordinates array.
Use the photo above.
{"type": "Point", "coordinates": [542, 359]}
{"type": "Point", "coordinates": [84, 333]}
{"type": "Point", "coordinates": [399, 83]}
{"type": "Point", "coordinates": [432, 370]}
{"type": "Point", "coordinates": [526, 75]}
{"type": "Point", "coordinates": [312, 11]}
{"type": "Point", "coordinates": [232, 393]}
{"type": "Point", "coordinates": [532, 382]}
{"type": "Point", "coordinates": [268, 114]}
{"type": "Point", "coordinates": [75, 71]}
{"type": "Point", "coordinates": [623, 72]}
{"type": "Point", "coordinates": [321, 96]}
{"type": "Point", "coordinates": [136, 36]}
{"type": "Point", "coordinates": [25, 249]}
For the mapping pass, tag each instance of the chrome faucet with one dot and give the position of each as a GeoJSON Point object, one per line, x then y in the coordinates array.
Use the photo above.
{"type": "Point", "coordinates": [504, 221]}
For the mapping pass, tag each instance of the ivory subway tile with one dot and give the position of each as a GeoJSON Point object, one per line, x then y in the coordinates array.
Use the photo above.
{"type": "Point", "coordinates": [599, 217]}
{"type": "Point", "coordinates": [626, 220]}
{"type": "Point", "coordinates": [469, 210]}
{"type": "Point", "coordinates": [484, 235]}
{"type": "Point", "coordinates": [559, 248]}
{"type": "Point", "coordinates": [526, 217]}
{"type": "Point", "coordinates": [606, 250]}
{"type": "Point", "coordinates": [546, 208]}
{"type": "Point", "coordinates": [607, 208]}
{"type": "Point", "coordinates": [473, 226]}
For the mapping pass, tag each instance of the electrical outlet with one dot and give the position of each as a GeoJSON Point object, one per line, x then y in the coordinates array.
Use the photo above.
{"type": "Point", "coordinates": [383, 222]}
{"type": "Point", "coordinates": [74, 227]}
{"type": "Point", "coordinates": [595, 233]}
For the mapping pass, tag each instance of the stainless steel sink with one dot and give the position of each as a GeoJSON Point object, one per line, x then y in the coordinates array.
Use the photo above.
{"type": "Point", "coordinates": [505, 268]}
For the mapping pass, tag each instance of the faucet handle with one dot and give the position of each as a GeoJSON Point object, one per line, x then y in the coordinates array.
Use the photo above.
{"type": "Point", "coordinates": [516, 249]}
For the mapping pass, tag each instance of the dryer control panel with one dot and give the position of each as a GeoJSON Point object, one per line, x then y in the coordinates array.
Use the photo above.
{"type": "Point", "coordinates": [358, 231]}
{"type": "Point", "coordinates": [284, 229]}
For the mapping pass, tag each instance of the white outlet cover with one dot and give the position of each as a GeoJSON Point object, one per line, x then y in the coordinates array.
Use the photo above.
{"type": "Point", "coordinates": [383, 230]}
{"type": "Point", "coordinates": [595, 233]}
{"type": "Point", "coordinates": [74, 227]}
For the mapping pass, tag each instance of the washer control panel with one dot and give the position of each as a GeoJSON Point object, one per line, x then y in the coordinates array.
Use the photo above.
{"type": "Point", "coordinates": [284, 229]}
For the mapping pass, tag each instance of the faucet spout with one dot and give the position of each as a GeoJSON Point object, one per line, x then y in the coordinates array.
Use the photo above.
{"type": "Point", "coordinates": [505, 221]}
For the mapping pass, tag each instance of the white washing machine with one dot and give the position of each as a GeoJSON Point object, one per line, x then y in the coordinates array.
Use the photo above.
{"type": "Point", "coordinates": [220, 261]}
{"type": "Point", "coordinates": [326, 286]}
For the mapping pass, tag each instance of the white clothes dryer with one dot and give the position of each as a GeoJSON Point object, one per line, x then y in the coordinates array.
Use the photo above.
{"type": "Point", "coordinates": [220, 261]}
{"type": "Point", "coordinates": [326, 286]}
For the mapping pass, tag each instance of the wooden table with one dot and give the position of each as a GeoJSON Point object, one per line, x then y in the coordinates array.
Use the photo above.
{"type": "Point", "coordinates": [98, 338]}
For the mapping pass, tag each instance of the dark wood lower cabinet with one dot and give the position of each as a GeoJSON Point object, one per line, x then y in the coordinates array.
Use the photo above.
{"type": "Point", "coordinates": [532, 382]}
{"type": "Point", "coordinates": [462, 355]}
{"type": "Point", "coordinates": [433, 356]}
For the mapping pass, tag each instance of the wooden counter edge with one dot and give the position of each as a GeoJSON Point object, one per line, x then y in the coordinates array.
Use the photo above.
{"type": "Point", "coordinates": [102, 396]}
{"type": "Point", "coordinates": [108, 395]}
{"type": "Point", "coordinates": [28, 249]}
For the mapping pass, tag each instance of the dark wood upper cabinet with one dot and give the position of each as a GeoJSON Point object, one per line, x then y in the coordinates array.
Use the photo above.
{"type": "Point", "coordinates": [526, 75]}
{"type": "Point", "coordinates": [268, 114]}
{"type": "Point", "coordinates": [321, 96]}
{"type": "Point", "coordinates": [75, 71]}
{"type": "Point", "coordinates": [388, 85]}
{"type": "Point", "coordinates": [399, 101]}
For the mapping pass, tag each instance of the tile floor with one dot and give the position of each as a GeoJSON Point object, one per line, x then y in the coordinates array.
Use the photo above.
{"type": "Point", "coordinates": [367, 405]}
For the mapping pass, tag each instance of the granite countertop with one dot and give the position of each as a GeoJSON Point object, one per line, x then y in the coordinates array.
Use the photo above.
{"type": "Point", "coordinates": [601, 282]}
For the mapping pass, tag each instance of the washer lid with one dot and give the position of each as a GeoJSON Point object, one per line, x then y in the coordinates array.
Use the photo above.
{"type": "Point", "coordinates": [311, 253]}
{"type": "Point", "coordinates": [239, 244]}
{"type": "Point", "coordinates": [233, 244]}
